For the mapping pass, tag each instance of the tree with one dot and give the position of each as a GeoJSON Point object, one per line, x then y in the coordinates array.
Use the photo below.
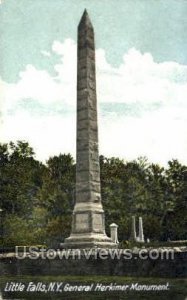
{"type": "Point", "coordinates": [38, 199]}
{"type": "Point", "coordinates": [20, 178]}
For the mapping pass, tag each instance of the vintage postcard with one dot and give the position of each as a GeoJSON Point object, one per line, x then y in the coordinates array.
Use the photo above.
{"type": "Point", "coordinates": [93, 149]}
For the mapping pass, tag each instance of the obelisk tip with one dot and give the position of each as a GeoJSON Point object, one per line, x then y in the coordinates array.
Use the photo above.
{"type": "Point", "coordinates": [85, 20]}
{"type": "Point", "coordinates": [85, 11]}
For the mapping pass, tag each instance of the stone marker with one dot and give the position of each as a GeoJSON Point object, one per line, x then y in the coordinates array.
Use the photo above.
{"type": "Point", "coordinates": [114, 233]}
{"type": "Point", "coordinates": [141, 235]}
{"type": "Point", "coordinates": [133, 230]}
{"type": "Point", "coordinates": [88, 224]}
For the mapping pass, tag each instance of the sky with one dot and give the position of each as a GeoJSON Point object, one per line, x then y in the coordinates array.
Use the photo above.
{"type": "Point", "coordinates": [141, 66]}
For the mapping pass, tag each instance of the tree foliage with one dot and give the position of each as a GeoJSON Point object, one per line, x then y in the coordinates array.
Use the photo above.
{"type": "Point", "coordinates": [37, 199]}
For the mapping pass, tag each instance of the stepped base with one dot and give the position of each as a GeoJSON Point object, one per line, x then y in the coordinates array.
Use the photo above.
{"type": "Point", "coordinates": [91, 240]}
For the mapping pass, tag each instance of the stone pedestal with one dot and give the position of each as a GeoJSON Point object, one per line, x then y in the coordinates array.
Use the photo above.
{"type": "Point", "coordinates": [88, 224]}
{"type": "Point", "coordinates": [114, 233]}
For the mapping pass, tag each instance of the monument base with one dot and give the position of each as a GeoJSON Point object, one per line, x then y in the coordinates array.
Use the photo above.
{"type": "Point", "coordinates": [91, 240]}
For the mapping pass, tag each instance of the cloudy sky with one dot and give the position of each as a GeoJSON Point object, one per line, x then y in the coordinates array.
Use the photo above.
{"type": "Point", "coordinates": [141, 53]}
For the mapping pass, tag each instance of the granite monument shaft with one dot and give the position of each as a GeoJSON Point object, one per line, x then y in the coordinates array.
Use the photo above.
{"type": "Point", "coordinates": [88, 224]}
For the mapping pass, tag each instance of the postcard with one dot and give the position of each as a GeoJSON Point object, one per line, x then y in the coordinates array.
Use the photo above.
{"type": "Point", "coordinates": [93, 149]}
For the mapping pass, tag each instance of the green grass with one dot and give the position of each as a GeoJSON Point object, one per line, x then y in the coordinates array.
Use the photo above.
{"type": "Point", "coordinates": [178, 288]}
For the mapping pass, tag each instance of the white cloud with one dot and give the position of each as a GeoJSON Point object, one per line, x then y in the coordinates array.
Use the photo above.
{"type": "Point", "coordinates": [156, 136]}
{"type": "Point", "coordinates": [140, 79]}
{"type": "Point", "coordinates": [48, 135]}
{"type": "Point", "coordinates": [66, 69]}
{"type": "Point", "coordinates": [4, 88]}
{"type": "Point", "coordinates": [46, 53]}
{"type": "Point", "coordinates": [33, 83]}
{"type": "Point", "coordinates": [160, 133]}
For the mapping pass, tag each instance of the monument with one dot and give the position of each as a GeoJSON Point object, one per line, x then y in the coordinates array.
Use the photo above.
{"type": "Point", "coordinates": [88, 221]}
{"type": "Point", "coordinates": [141, 235]}
{"type": "Point", "coordinates": [133, 236]}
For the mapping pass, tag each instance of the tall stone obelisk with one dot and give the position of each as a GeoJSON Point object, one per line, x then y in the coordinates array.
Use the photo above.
{"type": "Point", "coordinates": [88, 224]}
